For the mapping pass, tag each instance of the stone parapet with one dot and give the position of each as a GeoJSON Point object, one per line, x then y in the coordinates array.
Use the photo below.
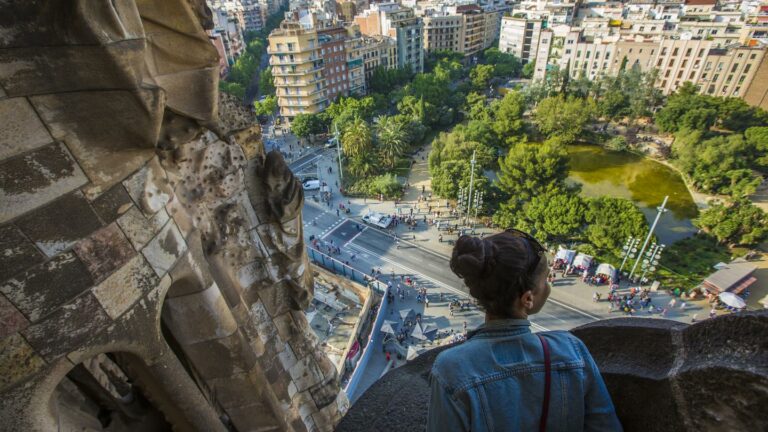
{"type": "Point", "coordinates": [662, 376]}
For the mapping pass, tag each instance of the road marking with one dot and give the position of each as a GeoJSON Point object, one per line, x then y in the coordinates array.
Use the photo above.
{"type": "Point", "coordinates": [331, 228]}
{"type": "Point", "coordinates": [586, 314]}
{"type": "Point", "coordinates": [355, 236]}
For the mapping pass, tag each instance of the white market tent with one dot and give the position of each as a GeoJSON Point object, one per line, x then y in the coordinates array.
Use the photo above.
{"type": "Point", "coordinates": [582, 261]}
{"type": "Point", "coordinates": [566, 255]}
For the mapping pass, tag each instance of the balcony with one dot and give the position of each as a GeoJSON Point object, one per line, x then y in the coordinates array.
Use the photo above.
{"type": "Point", "coordinates": [300, 83]}
{"type": "Point", "coordinates": [297, 72]}
{"type": "Point", "coordinates": [287, 61]}
{"type": "Point", "coordinates": [283, 93]}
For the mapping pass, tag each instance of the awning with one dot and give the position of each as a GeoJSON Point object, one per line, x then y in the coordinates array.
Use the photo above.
{"type": "Point", "coordinates": [742, 286]}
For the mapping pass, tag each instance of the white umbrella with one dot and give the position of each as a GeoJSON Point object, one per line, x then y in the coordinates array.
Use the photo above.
{"type": "Point", "coordinates": [413, 352]}
{"type": "Point", "coordinates": [389, 327]}
{"type": "Point", "coordinates": [732, 300]}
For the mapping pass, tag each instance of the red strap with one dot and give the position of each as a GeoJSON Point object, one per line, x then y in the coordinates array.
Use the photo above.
{"type": "Point", "coordinates": [547, 382]}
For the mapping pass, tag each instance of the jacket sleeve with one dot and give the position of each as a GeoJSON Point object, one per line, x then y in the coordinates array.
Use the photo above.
{"type": "Point", "coordinates": [599, 412]}
{"type": "Point", "coordinates": [445, 413]}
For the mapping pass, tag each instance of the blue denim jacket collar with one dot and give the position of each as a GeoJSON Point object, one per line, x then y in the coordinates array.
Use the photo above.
{"type": "Point", "coordinates": [502, 327]}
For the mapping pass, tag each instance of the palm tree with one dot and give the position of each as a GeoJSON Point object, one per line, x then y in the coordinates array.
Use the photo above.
{"type": "Point", "coordinates": [392, 139]}
{"type": "Point", "coordinates": [356, 140]}
{"type": "Point", "coordinates": [362, 166]}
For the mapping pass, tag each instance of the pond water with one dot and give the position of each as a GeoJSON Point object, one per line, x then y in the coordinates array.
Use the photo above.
{"type": "Point", "coordinates": [642, 180]}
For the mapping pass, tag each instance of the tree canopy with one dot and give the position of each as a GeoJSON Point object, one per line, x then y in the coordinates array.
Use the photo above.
{"type": "Point", "coordinates": [564, 117]}
{"type": "Point", "coordinates": [530, 170]}
{"type": "Point", "coordinates": [740, 222]}
{"type": "Point", "coordinates": [611, 221]}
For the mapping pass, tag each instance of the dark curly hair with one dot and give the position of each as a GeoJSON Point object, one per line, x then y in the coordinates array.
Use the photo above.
{"type": "Point", "coordinates": [496, 269]}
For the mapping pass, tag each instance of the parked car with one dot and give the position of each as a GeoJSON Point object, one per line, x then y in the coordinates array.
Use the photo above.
{"type": "Point", "coordinates": [311, 185]}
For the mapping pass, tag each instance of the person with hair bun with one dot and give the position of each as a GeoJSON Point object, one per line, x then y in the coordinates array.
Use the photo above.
{"type": "Point", "coordinates": [504, 377]}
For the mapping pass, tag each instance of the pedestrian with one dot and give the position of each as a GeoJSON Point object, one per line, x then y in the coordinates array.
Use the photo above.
{"type": "Point", "coordinates": [388, 357]}
{"type": "Point", "coordinates": [426, 301]}
{"type": "Point", "coordinates": [337, 212]}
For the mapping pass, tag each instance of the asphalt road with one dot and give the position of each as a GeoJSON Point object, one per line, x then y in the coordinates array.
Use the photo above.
{"type": "Point", "coordinates": [375, 249]}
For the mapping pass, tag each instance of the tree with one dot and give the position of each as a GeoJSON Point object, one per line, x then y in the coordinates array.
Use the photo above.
{"type": "Point", "coordinates": [555, 215]}
{"type": "Point", "coordinates": [391, 138]}
{"type": "Point", "coordinates": [611, 221]}
{"type": "Point", "coordinates": [739, 223]}
{"type": "Point", "coordinates": [476, 106]}
{"type": "Point", "coordinates": [618, 143]}
{"type": "Point", "coordinates": [529, 170]}
{"type": "Point", "coordinates": [505, 65]}
{"type": "Point", "coordinates": [508, 123]}
{"type": "Point", "coordinates": [357, 139]}
{"type": "Point", "coordinates": [235, 89]}
{"type": "Point", "coordinates": [528, 69]}
{"type": "Point", "coordinates": [480, 76]}
{"type": "Point", "coordinates": [736, 115]}
{"type": "Point", "coordinates": [757, 139]}
{"type": "Point", "coordinates": [565, 118]}
{"type": "Point", "coordinates": [266, 107]}
{"type": "Point", "coordinates": [449, 162]}
{"type": "Point", "coordinates": [306, 125]}
{"type": "Point", "coordinates": [266, 82]}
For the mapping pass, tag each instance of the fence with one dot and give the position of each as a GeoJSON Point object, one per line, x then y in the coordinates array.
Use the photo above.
{"type": "Point", "coordinates": [332, 264]}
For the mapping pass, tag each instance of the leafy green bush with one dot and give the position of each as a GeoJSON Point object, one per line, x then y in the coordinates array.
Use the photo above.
{"type": "Point", "coordinates": [385, 184]}
{"type": "Point", "coordinates": [618, 143]}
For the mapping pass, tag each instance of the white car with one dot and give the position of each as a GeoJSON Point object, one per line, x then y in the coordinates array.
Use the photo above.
{"type": "Point", "coordinates": [311, 185]}
{"type": "Point", "coordinates": [378, 219]}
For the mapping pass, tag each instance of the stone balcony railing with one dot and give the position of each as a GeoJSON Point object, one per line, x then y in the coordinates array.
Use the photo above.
{"type": "Point", "coordinates": [662, 375]}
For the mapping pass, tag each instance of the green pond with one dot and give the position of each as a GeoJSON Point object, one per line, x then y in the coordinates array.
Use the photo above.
{"type": "Point", "coordinates": [642, 180]}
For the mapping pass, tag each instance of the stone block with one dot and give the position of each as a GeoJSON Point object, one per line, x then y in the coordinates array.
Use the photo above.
{"type": "Point", "coordinates": [110, 133]}
{"type": "Point", "coordinates": [17, 361]}
{"type": "Point", "coordinates": [139, 228]}
{"type": "Point", "coordinates": [199, 317]}
{"type": "Point", "coordinates": [42, 289]}
{"type": "Point", "coordinates": [149, 187]}
{"type": "Point", "coordinates": [36, 178]}
{"type": "Point", "coordinates": [56, 227]}
{"type": "Point", "coordinates": [112, 203]}
{"type": "Point", "coordinates": [11, 320]}
{"type": "Point", "coordinates": [104, 251]}
{"type": "Point", "coordinates": [18, 253]}
{"type": "Point", "coordinates": [22, 129]}
{"type": "Point", "coordinates": [191, 273]}
{"type": "Point", "coordinates": [234, 391]}
{"type": "Point", "coordinates": [305, 373]}
{"type": "Point", "coordinates": [254, 417]}
{"type": "Point", "coordinates": [58, 69]}
{"type": "Point", "coordinates": [164, 250]}
{"type": "Point", "coordinates": [221, 358]}
{"type": "Point", "coordinates": [129, 283]}
{"type": "Point", "coordinates": [68, 328]}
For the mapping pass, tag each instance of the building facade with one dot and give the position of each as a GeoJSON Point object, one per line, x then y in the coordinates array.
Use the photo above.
{"type": "Point", "coordinates": [298, 70]}
{"type": "Point", "coordinates": [520, 36]}
{"type": "Point", "coordinates": [333, 51]}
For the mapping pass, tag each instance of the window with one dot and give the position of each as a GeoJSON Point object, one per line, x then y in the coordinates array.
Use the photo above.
{"type": "Point", "coordinates": [690, 77]}
{"type": "Point", "coordinates": [739, 55]}
{"type": "Point", "coordinates": [753, 56]}
{"type": "Point", "coordinates": [711, 89]}
{"type": "Point", "coordinates": [680, 74]}
{"type": "Point", "coordinates": [741, 80]}
{"type": "Point", "coordinates": [641, 51]}
{"type": "Point", "coordinates": [701, 52]}
{"type": "Point", "coordinates": [685, 62]}
{"type": "Point", "coordinates": [658, 63]}
{"type": "Point", "coordinates": [588, 53]}
{"type": "Point", "coordinates": [747, 68]}
{"type": "Point", "coordinates": [674, 53]}
{"type": "Point", "coordinates": [729, 79]}
{"type": "Point", "coordinates": [568, 51]}
{"type": "Point", "coordinates": [735, 66]}
{"type": "Point", "coordinates": [715, 77]}
{"type": "Point", "coordinates": [671, 62]}
{"type": "Point", "coordinates": [666, 74]}
{"type": "Point", "coordinates": [664, 83]}
{"type": "Point", "coordinates": [664, 51]}
{"type": "Point", "coordinates": [630, 50]}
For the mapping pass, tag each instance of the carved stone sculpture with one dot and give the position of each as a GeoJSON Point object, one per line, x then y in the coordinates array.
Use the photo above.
{"type": "Point", "coordinates": [153, 267]}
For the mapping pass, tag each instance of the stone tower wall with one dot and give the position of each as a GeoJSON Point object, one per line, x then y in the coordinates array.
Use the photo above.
{"type": "Point", "coordinates": [150, 247]}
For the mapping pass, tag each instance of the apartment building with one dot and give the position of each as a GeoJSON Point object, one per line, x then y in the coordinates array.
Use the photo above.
{"type": "Point", "coordinates": [334, 54]}
{"type": "Point", "coordinates": [399, 23]}
{"type": "Point", "coordinates": [472, 29]}
{"type": "Point", "coordinates": [347, 10]}
{"type": "Point", "coordinates": [298, 69]}
{"type": "Point", "coordinates": [228, 24]}
{"type": "Point", "coordinates": [587, 56]}
{"type": "Point", "coordinates": [355, 62]}
{"type": "Point", "coordinates": [520, 36]}
{"type": "Point", "coordinates": [442, 33]}
{"type": "Point", "coordinates": [254, 14]}
{"type": "Point", "coordinates": [757, 92]}
{"type": "Point", "coordinates": [377, 51]}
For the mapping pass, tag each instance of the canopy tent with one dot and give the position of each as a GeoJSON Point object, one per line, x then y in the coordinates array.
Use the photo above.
{"type": "Point", "coordinates": [424, 331]}
{"type": "Point", "coordinates": [407, 314]}
{"type": "Point", "coordinates": [582, 261]}
{"type": "Point", "coordinates": [732, 300]}
{"type": "Point", "coordinates": [606, 269]}
{"type": "Point", "coordinates": [566, 255]}
{"type": "Point", "coordinates": [389, 327]}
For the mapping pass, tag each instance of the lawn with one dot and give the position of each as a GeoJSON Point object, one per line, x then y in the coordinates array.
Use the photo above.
{"type": "Point", "coordinates": [687, 262]}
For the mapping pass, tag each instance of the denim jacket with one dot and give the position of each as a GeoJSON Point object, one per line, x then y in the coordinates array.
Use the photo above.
{"type": "Point", "coordinates": [495, 382]}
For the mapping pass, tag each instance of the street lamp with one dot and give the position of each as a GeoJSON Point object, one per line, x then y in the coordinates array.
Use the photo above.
{"type": "Point", "coordinates": [629, 250]}
{"type": "Point", "coordinates": [471, 184]}
{"type": "Point", "coordinates": [338, 150]}
{"type": "Point", "coordinates": [650, 263]}
{"type": "Point", "coordinates": [660, 210]}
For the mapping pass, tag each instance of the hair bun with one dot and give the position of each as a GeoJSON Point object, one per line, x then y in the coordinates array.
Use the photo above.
{"type": "Point", "coordinates": [473, 258]}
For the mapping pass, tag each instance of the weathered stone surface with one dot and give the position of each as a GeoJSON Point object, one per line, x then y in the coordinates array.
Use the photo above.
{"type": "Point", "coordinates": [18, 253]}
{"type": "Point", "coordinates": [129, 283]}
{"type": "Point", "coordinates": [11, 320]}
{"type": "Point", "coordinates": [104, 251]}
{"type": "Point", "coordinates": [234, 391]}
{"type": "Point", "coordinates": [111, 133]}
{"type": "Point", "coordinates": [41, 289]}
{"type": "Point", "coordinates": [221, 358]}
{"type": "Point", "coordinates": [22, 129]}
{"type": "Point", "coordinates": [189, 275]}
{"type": "Point", "coordinates": [250, 140]}
{"type": "Point", "coordinates": [254, 417]}
{"type": "Point", "coordinates": [36, 178]}
{"type": "Point", "coordinates": [305, 373]}
{"type": "Point", "coordinates": [163, 250]}
{"type": "Point", "coordinates": [112, 203]}
{"type": "Point", "coordinates": [57, 69]}
{"type": "Point", "coordinates": [199, 317]}
{"type": "Point", "coordinates": [139, 228]}
{"type": "Point", "coordinates": [17, 360]}
{"type": "Point", "coordinates": [67, 328]}
{"type": "Point", "coordinates": [52, 232]}
{"type": "Point", "coordinates": [149, 188]}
